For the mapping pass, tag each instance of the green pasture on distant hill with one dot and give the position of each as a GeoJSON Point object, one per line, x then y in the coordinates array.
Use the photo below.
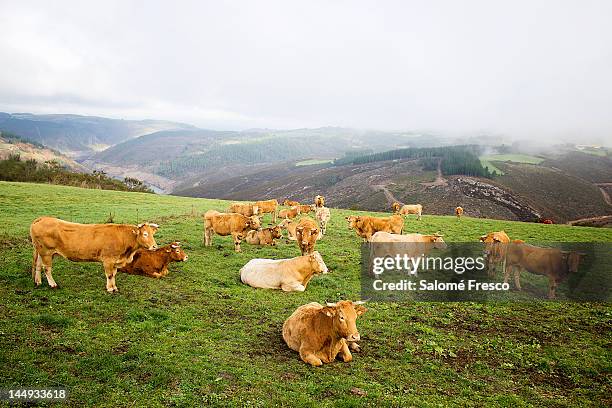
{"type": "Point", "coordinates": [516, 158]}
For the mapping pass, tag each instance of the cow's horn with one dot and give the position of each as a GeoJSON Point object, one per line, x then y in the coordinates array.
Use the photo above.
{"type": "Point", "coordinates": [139, 225]}
{"type": "Point", "coordinates": [360, 302]}
{"type": "Point", "coordinates": [154, 225]}
{"type": "Point", "coordinates": [331, 304]}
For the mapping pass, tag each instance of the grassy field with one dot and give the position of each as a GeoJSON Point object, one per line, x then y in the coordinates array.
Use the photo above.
{"type": "Point", "coordinates": [311, 162]}
{"type": "Point", "coordinates": [516, 158]}
{"type": "Point", "coordinates": [200, 337]}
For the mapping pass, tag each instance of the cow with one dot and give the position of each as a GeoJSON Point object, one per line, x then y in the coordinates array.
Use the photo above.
{"type": "Point", "coordinates": [236, 225]}
{"type": "Point", "coordinates": [264, 236]}
{"type": "Point", "coordinates": [496, 244]}
{"type": "Point", "coordinates": [412, 245]}
{"type": "Point", "coordinates": [321, 333]}
{"type": "Point", "coordinates": [550, 262]}
{"type": "Point", "coordinates": [546, 221]}
{"type": "Point", "coordinates": [319, 201]}
{"type": "Point", "coordinates": [114, 245]}
{"type": "Point", "coordinates": [459, 212]}
{"type": "Point", "coordinates": [246, 209]}
{"type": "Point", "coordinates": [290, 226]}
{"type": "Point", "coordinates": [285, 274]}
{"type": "Point", "coordinates": [289, 212]}
{"type": "Point", "coordinates": [290, 203]}
{"type": "Point", "coordinates": [155, 263]}
{"type": "Point", "coordinates": [407, 209]}
{"type": "Point", "coordinates": [267, 206]}
{"type": "Point", "coordinates": [307, 234]}
{"type": "Point", "coordinates": [322, 214]}
{"type": "Point", "coordinates": [305, 209]}
{"type": "Point", "coordinates": [365, 226]}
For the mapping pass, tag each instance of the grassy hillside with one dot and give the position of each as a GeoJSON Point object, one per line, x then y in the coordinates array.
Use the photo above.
{"type": "Point", "coordinates": [11, 145]}
{"type": "Point", "coordinates": [515, 158]}
{"type": "Point", "coordinates": [200, 337]}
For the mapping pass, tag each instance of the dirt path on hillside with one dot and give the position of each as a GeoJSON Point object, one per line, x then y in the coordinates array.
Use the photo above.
{"type": "Point", "coordinates": [605, 194]}
{"type": "Point", "coordinates": [439, 181]}
{"type": "Point", "coordinates": [388, 194]}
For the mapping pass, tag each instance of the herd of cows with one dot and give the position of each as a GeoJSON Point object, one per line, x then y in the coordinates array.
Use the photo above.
{"type": "Point", "coordinates": [319, 333]}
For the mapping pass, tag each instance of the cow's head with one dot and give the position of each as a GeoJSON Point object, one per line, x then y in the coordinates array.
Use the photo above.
{"type": "Point", "coordinates": [437, 241]}
{"type": "Point", "coordinates": [144, 235]}
{"type": "Point", "coordinates": [253, 222]}
{"type": "Point", "coordinates": [316, 262]}
{"type": "Point", "coordinates": [306, 235]}
{"type": "Point", "coordinates": [277, 231]}
{"type": "Point", "coordinates": [573, 260]}
{"type": "Point", "coordinates": [352, 221]}
{"type": "Point", "coordinates": [344, 318]}
{"type": "Point", "coordinates": [176, 252]}
{"type": "Point", "coordinates": [319, 201]}
{"type": "Point", "coordinates": [396, 206]}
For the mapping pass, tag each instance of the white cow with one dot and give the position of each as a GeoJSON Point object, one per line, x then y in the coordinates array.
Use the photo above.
{"type": "Point", "coordinates": [322, 215]}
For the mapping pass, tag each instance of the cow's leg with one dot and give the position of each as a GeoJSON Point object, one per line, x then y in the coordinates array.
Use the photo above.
{"type": "Point", "coordinates": [293, 287]}
{"type": "Point", "coordinates": [552, 287]}
{"type": "Point", "coordinates": [47, 262]}
{"type": "Point", "coordinates": [517, 277]}
{"type": "Point", "coordinates": [310, 358]}
{"type": "Point", "coordinates": [274, 215]}
{"type": "Point", "coordinates": [345, 353]}
{"type": "Point", "coordinates": [207, 237]}
{"type": "Point", "coordinates": [110, 270]}
{"type": "Point", "coordinates": [354, 347]}
{"type": "Point", "coordinates": [237, 241]}
{"type": "Point", "coordinates": [36, 265]}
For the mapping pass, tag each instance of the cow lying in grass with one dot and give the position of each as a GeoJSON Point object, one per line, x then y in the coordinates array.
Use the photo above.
{"type": "Point", "coordinates": [290, 226]}
{"type": "Point", "coordinates": [321, 333]}
{"type": "Point", "coordinates": [112, 244]}
{"type": "Point", "coordinates": [155, 263]}
{"type": "Point", "coordinates": [550, 262]}
{"type": "Point", "coordinates": [286, 274]}
{"type": "Point", "coordinates": [264, 236]}
{"type": "Point", "coordinates": [223, 224]}
{"type": "Point", "coordinates": [289, 212]}
{"type": "Point", "coordinates": [365, 226]}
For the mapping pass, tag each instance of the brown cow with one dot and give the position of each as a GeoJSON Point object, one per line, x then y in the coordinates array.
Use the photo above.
{"type": "Point", "coordinates": [307, 235]}
{"type": "Point", "coordinates": [321, 333]}
{"type": "Point", "coordinates": [236, 225]}
{"type": "Point", "coordinates": [365, 226]}
{"type": "Point", "coordinates": [155, 263]}
{"type": "Point", "coordinates": [290, 226]}
{"type": "Point", "coordinates": [112, 244]}
{"type": "Point", "coordinates": [319, 201]}
{"type": "Point", "coordinates": [264, 236]}
{"type": "Point", "coordinates": [550, 262]}
{"type": "Point", "coordinates": [459, 212]}
{"type": "Point", "coordinates": [305, 209]}
{"type": "Point", "coordinates": [496, 244]}
{"type": "Point", "coordinates": [407, 209]}
{"type": "Point", "coordinates": [267, 206]}
{"type": "Point", "coordinates": [246, 209]}
{"type": "Point", "coordinates": [290, 203]}
{"type": "Point", "coordinates": [289, 213]}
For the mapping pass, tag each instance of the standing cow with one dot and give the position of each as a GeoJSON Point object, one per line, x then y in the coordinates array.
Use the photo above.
{"type": "Point", "coordinates": [224, 224]}
{"type": "Point", "coordinates": [112, 244]}
{"type": "Point", "coordinates": [459, 212]}
{"type": "Point", "coordinates": [322, 215]}
{"type": "Point", "coordinates": [320, 333]}
{"type": "Point", "coordinates": [408, 209]}
{"type": "Point", "coordinates": [267, 206]}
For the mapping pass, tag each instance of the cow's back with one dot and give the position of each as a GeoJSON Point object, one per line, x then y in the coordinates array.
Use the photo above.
{"type": "Point", "coordinates": [300, 325]}
{"type": "Point", "coordinates": [262, 273]}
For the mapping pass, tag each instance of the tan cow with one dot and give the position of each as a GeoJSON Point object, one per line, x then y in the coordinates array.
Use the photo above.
{"type": "Point", "coordinates": [112, 244]}
{"type": "Point", "coordinates": [305, 209]}
{"type": "Point", "coordinates": [365, 226]}
{"type": "Point", "coordinates": [319, 201]}
{"type": "Point", "coordinates": [412, 245]}
{"type": "Point", "coordinates": [290, 203]}
{"type": "Point", "coordinates": [496, 243]}
{"type": "Point", "coordinates": [322, 214]}
{"type": "Point", "coordinates": [321, 333]}
{"type": "Point", "coordinates": [267, 206]}
{"type": "Point", "coordinates": [459, 212]}
{"type": "Point", "coordinates": [236, 225]}
{"type": "Point", "coordinates": [155, 263]}
{"type": "Point", "coordinates": [290, 226]}
{"type": "Point", "coordinates": [407, 209]}
{"type": "Point", "coordinates": [246, 209]}
{"type": "Point", "coordinates": [286, 274]}
{"type": "Point", "coordinates": [289, 212]}
{"type": "Point", "coordinates": [264, 236]}
{"type": "Point", "coordinates": [307, 235]}
{"type": "Point", "coordinates": [550, 262]}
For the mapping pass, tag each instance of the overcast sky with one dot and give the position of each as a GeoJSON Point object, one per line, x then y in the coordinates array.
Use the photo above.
{"type": "Point", "coordinates": [524, 69]}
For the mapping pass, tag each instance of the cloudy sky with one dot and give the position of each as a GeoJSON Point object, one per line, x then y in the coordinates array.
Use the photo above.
{"type": "Point", "coordinates": [525, 69]}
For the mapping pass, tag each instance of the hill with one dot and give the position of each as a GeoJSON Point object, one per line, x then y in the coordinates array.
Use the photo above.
{"type": "Point", "coordinates": [78, 135]}
{"type": "Point", "coordinates": [11, 145]}
{"type": "Point", "coordinates": [200, 337]}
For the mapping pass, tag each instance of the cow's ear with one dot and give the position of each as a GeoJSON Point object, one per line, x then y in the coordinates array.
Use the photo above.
{"type": "Point", "coordinates": [299, 229]}
{"type": "Point", "coordinates": [135, 231]}
{"type": "Point", "coordinates": [483, 237]}
{"type": "Point", "coordinates": [360, 310]}
{"type": "Point", "coordinates": [167, 250]}
{"type": "Point", "coordinates": [329, 311]}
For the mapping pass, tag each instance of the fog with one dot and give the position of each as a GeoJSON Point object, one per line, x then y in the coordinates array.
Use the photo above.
{"type": "Point", "coordinates": [520, 70]}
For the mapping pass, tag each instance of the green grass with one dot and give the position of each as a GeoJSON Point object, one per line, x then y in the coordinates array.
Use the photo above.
{"type": "Point", "coordinates": [311, 162]}
{"type": "Point", "coordinates": [200, 337]}
{"type": "Point", "coordinates": [516, 158]}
